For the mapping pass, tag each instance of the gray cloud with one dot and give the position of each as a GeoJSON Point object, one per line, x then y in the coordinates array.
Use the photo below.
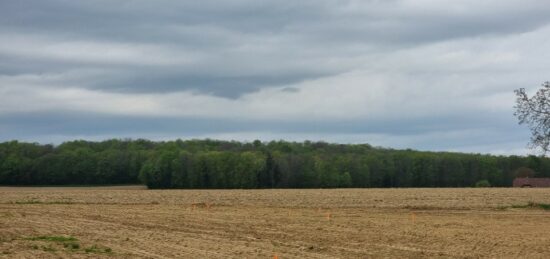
{"type": "Point", "coordinates": [247, 44]}
{"type": "Point", "coordinates": [402, 73]}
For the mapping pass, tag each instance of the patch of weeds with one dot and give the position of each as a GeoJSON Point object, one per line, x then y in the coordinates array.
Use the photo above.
{"type": "Point", "coordinates": [544, 206]}
{"type": "Point", "coordinates": [60, 239]}
{"type": "Point", "coordinates": [530, 205]}
{"type": "Point", "coordinates": [29, 202]}
{"type": "Point", "coordinates": [68, 242]}
{"type": "Point", "coordinates": [42, 202]}
{"type": "Point", "coordinates": [91, 249]}
{"type": "Point", "coordinates": [98, 250]}
{"type": "Point", "coordinates": [72, 246]}
{"type": "Point", "coordinates": [48, 248]}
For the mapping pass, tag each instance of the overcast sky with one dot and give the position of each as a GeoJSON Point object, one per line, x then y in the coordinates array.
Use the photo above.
{"type": "Point", "coordinates": [428, 75]}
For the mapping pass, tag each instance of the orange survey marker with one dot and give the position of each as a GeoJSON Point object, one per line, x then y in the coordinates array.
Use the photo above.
{"type": "Point", "coordinates": [275, 257]}
{"type": "Point", "coordinates": [413, 217]}
{"type": "Point", "coordinates": [328, 216]}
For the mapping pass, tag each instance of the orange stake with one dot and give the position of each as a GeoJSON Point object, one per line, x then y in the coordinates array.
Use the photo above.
{"type": "Point", "coordinates": [328, 216]}
{"type": "Point", "coordinates": [413, 217]}
{"type": "Point", "coordinates": [275, 257]}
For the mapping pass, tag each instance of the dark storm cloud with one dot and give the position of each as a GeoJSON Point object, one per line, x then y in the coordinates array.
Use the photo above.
{"type": "Point", "coordinates": [238, 46]}
{"type": "Point", "coordinates": [377, 20]}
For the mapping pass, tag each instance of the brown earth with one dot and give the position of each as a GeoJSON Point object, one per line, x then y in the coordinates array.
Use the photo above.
{"type": "Point", "coordinates": [131, 222]}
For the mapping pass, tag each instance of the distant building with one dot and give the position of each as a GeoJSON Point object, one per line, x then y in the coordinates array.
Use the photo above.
{"type": "Point", "coordinates": [531, 182]}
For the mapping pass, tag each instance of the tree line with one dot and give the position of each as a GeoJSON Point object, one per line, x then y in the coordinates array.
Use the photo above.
{"type": "Point", "coordinates": [275, 164]}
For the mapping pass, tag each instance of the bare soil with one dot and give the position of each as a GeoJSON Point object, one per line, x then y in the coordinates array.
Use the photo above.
{"type": "Point", "coordinates": [131, 222]}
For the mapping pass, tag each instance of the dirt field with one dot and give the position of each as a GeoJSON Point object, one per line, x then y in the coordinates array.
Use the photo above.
{"type": "Point", "coordinates": [344, 223]}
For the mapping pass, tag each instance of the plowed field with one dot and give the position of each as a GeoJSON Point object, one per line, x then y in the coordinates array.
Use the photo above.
{"type": "Point", "coordinates": [341, 223]}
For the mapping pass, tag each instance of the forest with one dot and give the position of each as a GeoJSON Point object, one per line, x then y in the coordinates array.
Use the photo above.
{"type": "Point", "coordinates": [276, 164]}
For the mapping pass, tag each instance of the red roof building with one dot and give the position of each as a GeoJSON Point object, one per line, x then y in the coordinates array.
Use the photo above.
{"type": "Point", "coordinates": [531, 182]}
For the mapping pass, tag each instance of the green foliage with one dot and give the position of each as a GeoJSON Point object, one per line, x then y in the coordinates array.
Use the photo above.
{"type": "Point", "coordinates": [345, 180]}
{"type": "Point", "coordinates": [483, 183]}
{"type": "Point", "coordinates": [229, 164]}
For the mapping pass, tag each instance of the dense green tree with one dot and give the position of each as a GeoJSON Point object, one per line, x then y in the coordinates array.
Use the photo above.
{"type": "Point", "coordinates": [230, 164]}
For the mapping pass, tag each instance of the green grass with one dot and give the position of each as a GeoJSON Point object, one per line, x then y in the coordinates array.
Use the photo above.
{"type": "Point", "coordinates": [61, 239]}
{"type": "Point", "coordinates": [544, 206]}
{"type": "Point", "coordinates": [98, 250]}
{"type": "Point", "coordinates": [69, 243]}
{"type": "Point", "coordinates": [529, 205]}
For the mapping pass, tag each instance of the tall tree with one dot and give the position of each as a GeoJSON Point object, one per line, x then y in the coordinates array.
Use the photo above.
{"type": "Point", "coordinates": [535, 113]}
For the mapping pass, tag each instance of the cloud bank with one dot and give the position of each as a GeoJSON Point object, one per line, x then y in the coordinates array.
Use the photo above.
{"type": "Point", "coordinates": [429, 75]}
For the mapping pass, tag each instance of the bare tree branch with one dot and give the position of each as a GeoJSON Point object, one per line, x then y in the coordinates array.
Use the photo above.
{"type": "Point", "coordinates": [535, 112]}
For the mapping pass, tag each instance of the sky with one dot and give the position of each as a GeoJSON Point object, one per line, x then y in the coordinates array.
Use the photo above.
{"type": "Point", "coordinates": [433, 75]}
